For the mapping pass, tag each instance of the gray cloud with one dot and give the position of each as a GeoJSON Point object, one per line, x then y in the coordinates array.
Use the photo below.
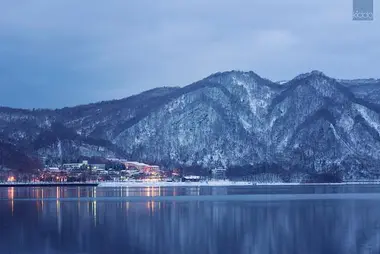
{"type": "Point", "coordinates": [66, 52]}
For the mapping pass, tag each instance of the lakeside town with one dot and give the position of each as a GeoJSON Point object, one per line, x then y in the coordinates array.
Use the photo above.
{"type": "Point", "coordinates": [120, 170]}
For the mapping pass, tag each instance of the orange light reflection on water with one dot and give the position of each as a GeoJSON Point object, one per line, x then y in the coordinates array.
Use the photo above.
{"type": "Point", "coordinates": [11, 195]}
{"type": "Point", "coordinates": [152, 192]}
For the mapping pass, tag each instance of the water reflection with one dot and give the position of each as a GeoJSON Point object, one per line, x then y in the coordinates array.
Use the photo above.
{"type": "Point", "coordinates": [94, 227]}
{"type": "Point", "coordinates": [11, 194]}
{"type": "Point", "coordinates": [94, 206]}
{"type": "Point", "coordinates": [80, 192]}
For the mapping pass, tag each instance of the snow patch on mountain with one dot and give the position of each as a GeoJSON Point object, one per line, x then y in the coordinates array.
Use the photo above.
{"type": "Point", "coordinates": [371, 117]}
{"type": "Point", "coordinates": [246, 125]}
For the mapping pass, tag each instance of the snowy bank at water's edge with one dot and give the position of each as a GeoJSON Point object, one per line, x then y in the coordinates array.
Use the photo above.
{"type": "Point", "coordinates": [168, 184]}
{"type": "Point", "coordinates": [215, 184]}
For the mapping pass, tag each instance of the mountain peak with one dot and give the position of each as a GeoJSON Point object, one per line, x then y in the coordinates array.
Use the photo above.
{"type": "Point", "coordinates": [312, 74]}
{"type": "Point", "coordinates": [316, 72]}
{"type": "Point", "coordinates": [233, 73]}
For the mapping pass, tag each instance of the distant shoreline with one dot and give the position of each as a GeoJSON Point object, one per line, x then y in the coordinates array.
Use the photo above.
{"type": "Point", "coordinates": [219, 183]}
{"type": "Point", "coordinates": [215, 183]}
{"type": "Point", "coordinates": [174, 184]}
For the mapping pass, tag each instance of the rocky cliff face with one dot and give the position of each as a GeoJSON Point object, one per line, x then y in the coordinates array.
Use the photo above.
{"type": "Point", "coordinates": [312, 123]}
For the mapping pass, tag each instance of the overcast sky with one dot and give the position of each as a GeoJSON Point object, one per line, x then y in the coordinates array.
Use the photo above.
{"type": "Point", "coordinates": [56, 53]}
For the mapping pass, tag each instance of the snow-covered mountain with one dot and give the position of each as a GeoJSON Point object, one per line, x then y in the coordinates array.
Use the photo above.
{"type": "Point", "coordinates": [234, 119]}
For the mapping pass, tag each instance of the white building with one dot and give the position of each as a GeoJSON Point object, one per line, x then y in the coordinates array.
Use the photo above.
{"type": "Point", "coordinates": [54, 169]}
{"type": "Point", "coordinates": [219, 173]}
{"type": "Point", "coordinates": [71, 166]}
{"type": "Point", "coordinates": [98, 166]}
{"type": "Point", "coordinates": [192, 178]}
{"type": "Point", "coordinates": [143, 167]}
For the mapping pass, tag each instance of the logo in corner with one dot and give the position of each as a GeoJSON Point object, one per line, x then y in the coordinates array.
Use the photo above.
{"type": "Point", "coordinates": [362, 10]}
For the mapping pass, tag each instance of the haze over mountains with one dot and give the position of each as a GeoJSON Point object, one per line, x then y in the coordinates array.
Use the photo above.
{"type": "Point", "coordinates": [239, 120]}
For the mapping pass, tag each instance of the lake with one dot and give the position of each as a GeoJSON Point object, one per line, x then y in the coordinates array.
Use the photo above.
{"type": "Point", "coordinates": [251, 219]}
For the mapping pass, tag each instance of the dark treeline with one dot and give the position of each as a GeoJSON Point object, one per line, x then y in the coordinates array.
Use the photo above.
{"type": "Point", "coordinates": [12, 157]}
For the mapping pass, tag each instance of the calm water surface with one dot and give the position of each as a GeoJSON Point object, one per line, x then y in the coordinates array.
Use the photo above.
{"type": "Point", "coordinates": [252, 219]}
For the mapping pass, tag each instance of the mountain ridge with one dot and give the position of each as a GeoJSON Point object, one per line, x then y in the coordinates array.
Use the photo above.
{"type": "Point", "coordinates": [230, 119]}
